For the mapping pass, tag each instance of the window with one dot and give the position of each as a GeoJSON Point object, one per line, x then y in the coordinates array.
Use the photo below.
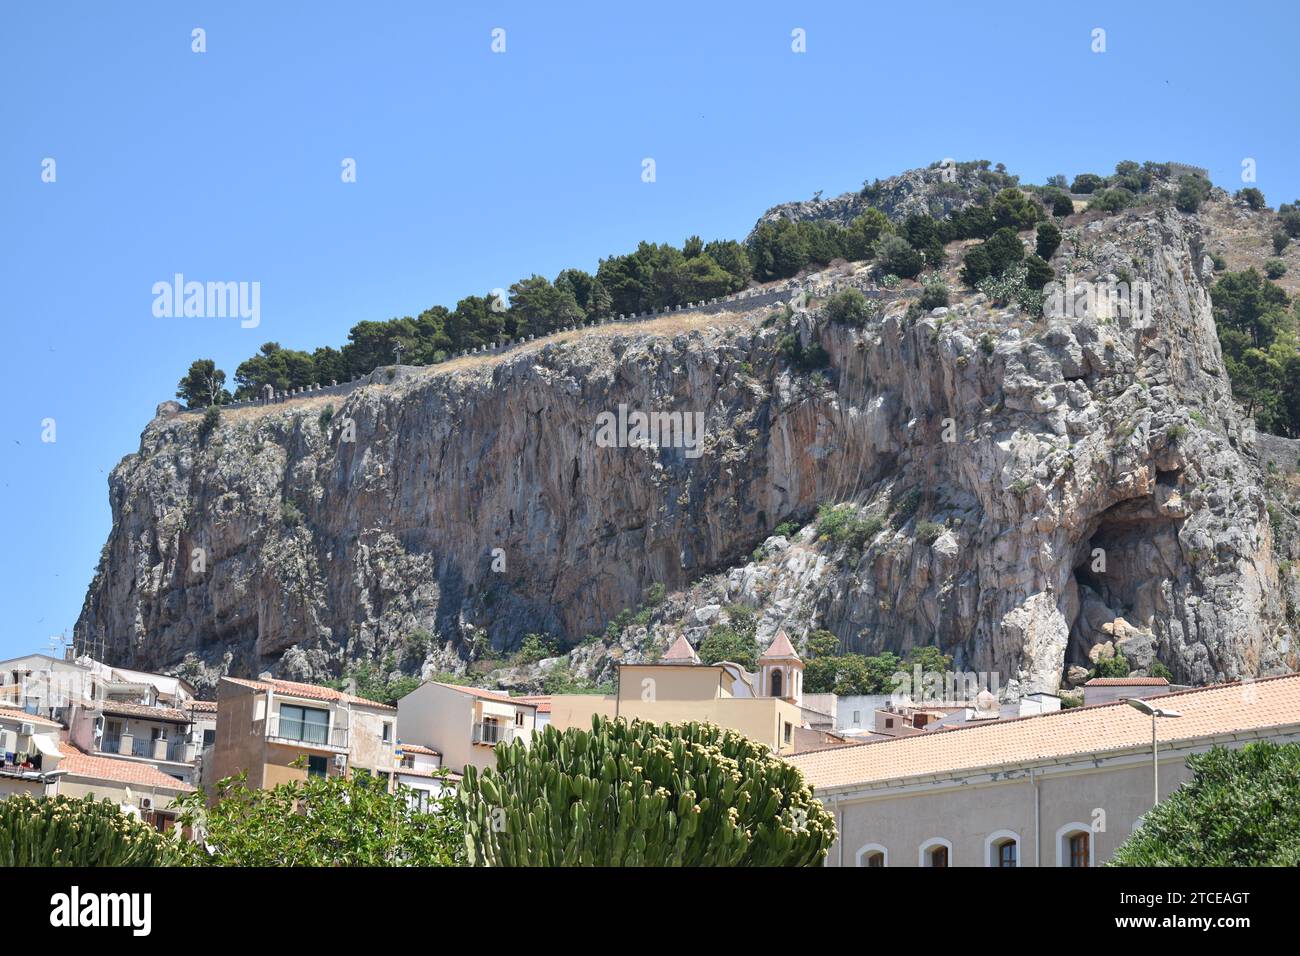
{"type": "Point", "coordinates": [875, 859]}
{"type": "Point", "coordinates": [519, 718]}
{"type": "Point", "coordinates": [388, 731]}
{"type": "Point", "coordinates": [307, 724]}
{"type": "Point", "coordinates": [776, 683]}
{"type": "Point", "coordinates": [1002, 848]}
{"type": "Point", "coordinates": [889, 722]}
{"type": "Point", "coordinates": [789, 730]}
{"type": "Point", "coordinates": [857, 718]}
{"type": "Point", "coordinates": [317, 766]}
{"type": "Point", "coordinates": [936, 853]}
{"type": "Point", "coordinates": [1079, 849]}
{"type": "Point", "coordinates": [209, 738]}
{"type": "Point", "coordinates": [1074, 845]}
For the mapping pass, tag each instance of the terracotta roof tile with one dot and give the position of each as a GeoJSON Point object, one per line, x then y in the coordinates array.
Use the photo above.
{"type": "Point", "coordinates": [202, 706]}
{"type": "Point", "coordinates": [119, 771]}
{"type": "Point", "coordinates": [128, 709]}
{"type": "Point", "coordinates": [418, 749]}
{"type": "Point", "coordinates": [680, 653]}
{"type": "Point", "coordinates": [1127, 682]}
{"type": "Point", "coordinates": [780, 649]}
{"type": "Point", "coordinates": [543, 701]}
{"type": "Point", "coordinates": [1114, 726]}
{"type": "Point", "coordinates": [310, 691]}
{"type": "Point", "coordinates": [21, 715]}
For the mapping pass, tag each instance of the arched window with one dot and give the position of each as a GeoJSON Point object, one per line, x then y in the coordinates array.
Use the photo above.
{"type": "Point", "coordinates": [873, 854]}
{"type": "Point", "coordinates": [776, 683]}
{"type": "Point", "coordinates": [1075, 846]}
{"type": "Point", "coordinates": [936, 852]}
{"type": "Point", "coordinates": [1002, 849]}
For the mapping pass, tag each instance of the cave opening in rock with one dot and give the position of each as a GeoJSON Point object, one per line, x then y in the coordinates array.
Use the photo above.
{"type": "Point", "coordinates": [1124, 569]}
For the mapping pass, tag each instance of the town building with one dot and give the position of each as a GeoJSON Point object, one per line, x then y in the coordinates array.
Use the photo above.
{"type": "Point", "coordinates": [766, 706]}
{"type": "Point", "coordinates": [29, 752]}
{"type": "Point", "coordinates": [420, 769]}
{"type": "Point", "coordinates": [1102, 690]}
{"type": "Point", "coordinates": [463, 724]}
{"type": "Point", "coordinates": [1062, 788]}
{"type": "Point", "coordinates": [279, 731]}
{"type": "Point", "coordinates": [138, 788]}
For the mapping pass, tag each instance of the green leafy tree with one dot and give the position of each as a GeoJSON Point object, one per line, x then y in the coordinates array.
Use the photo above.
{"type": "Point", "coordinates": [1240, 808]}
{"type": "Point", "coordinates": [1015, 210]}
{"type": "Point", "coordinates": [849, 307]}
{"type": "Point", "coordinates": [640, 794]}
{"type": "Point", "coordinates": [203, 385]}
{"type": "Point", "coordinates": [67, 831]}
{"type": "Point", "coordinates": [319, 821]}
{"type": "Point", "coordinates": [1087, 183]}
{"type": "Point", "coordinates": [1048, 240]}
{"type": "Point", "coordinates": [897, 257]}
{"type": "Point", "coordinates": [1192, 191]}
{"type": "Point", "coordinates": [1116, 666]}
{"type": "Point", "coordinates": [1252, 197]}
{"type": "Point", "coordinates": [539, 308]}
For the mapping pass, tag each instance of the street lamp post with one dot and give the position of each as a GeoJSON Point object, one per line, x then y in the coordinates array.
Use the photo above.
{"type": "Point", "coordinates": [1139, 704]}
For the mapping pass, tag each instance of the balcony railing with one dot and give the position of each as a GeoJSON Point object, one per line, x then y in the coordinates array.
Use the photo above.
{"type": "Point", "coordinates": [176, 749]}
{"type": "Point", "coordinates": [491, 732]}
{"type": "Point", "coordinates": [303, 732]}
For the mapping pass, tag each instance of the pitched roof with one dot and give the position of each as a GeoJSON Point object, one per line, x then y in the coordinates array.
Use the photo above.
{"type": "Point", "coordinates": [417, 749]}
{"type": "Point", "coordinates": [680, 653]}
{"type": "Point", "coordinates": [1127, 682]}
{"type": "Point", "coordinates": [202, 706]}
{"type": "Point", "coordinates": [311, 691]}
{"type": "Point", "coordinates": [780, 649]}
{"type": "Point", "coordinates": [485, 694]}
{"type": "Point", "coordinates": [1114, 726]}
{"type": "Point", "coordinates": [119, 771]}
{"type": "Point", "coordinates": [22, 715]}
{"type": "Point", "coordinates": [127, 709]}
{"type": "Point", "coordinates": [543, 701]}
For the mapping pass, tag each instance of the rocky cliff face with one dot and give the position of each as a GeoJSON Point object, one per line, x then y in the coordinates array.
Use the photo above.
{"type": "Point", "coordinates": [1043, 487]}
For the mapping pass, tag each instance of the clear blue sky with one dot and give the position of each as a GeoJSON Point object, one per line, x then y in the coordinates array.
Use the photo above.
{"type": "Point", "coordinates": [475, 169]}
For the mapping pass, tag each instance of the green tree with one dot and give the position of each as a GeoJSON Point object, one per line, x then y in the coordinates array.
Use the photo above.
{"type": "Point", "coordinates": [203, 385]}
{"type": "Point", "coordinates": [539, 308]}
{"type": "Point", "coordinates": [897, 257]}
{"type": "Point", "coordinates": [319, 821]}
{"type": "Point", "coordinates": [1015, 210]}
{"type": "Point", "coordinates": [640, 794]}
{"type": "Point", "coordinates": [1192, 191]}
{"type": "Point", "coordinates": [1116, 666]}
{"type": "Point", "coordinates": [849, 307]}
{"type": "Point", "coordinates": [1048, 240]}
{"type": "Point", "coordinates": [1240, 808]}
{"type": "Point", "coordinates": [1087, 183]}
{"type": "Point", "coordinates": [1252, 197]}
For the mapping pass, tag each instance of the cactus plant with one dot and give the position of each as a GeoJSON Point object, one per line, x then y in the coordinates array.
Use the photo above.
{"type": "Point", "coordinates": [63, 831]}
{"type": "Point", "coordinates": [641, 794]}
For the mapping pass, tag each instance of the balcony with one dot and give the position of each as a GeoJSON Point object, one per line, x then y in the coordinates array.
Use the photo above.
{"type": "Point", "coordinates": [176, 750]}
{"type": "Point", "coordinates": [489, 733]}
{"type": "Point", "coordinates": [286, 730]}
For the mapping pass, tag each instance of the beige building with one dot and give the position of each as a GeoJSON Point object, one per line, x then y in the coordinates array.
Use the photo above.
{"type": "Point", "coordinates": [420, 769]}
{"type": "Point", "coordinates": [265, 726]}
{"type": "Point", "coordinates": [29, 752]}
{"type": "Point", "coordinates": [1055, 789]}
{"type": "Point", "coordinates": [766, 707]}
{"type": "Point", "coordinates": [140, 789]}
{"type": "Point", "coordinates": [463, 724]}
